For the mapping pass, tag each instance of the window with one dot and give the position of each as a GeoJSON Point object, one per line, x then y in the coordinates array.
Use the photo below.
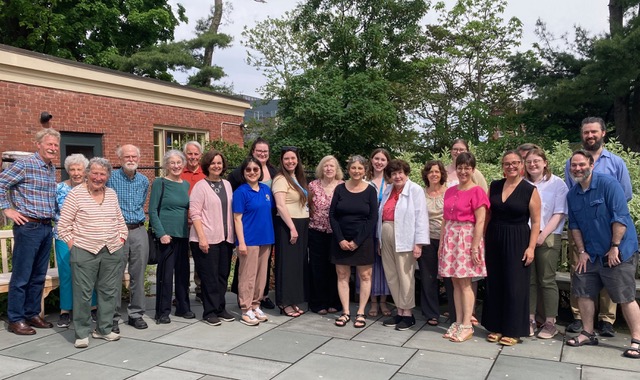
{"type": "Point", "coordinates": [166, 138]}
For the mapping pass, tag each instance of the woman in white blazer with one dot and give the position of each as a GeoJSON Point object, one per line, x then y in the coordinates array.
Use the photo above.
{"type": "Point", "coordinates": [403, 228]}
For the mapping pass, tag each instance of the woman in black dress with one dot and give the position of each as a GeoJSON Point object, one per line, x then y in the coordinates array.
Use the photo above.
{"type": "Point", "coordinates": [510, 245]}
{"type": "Point", "coordinates": [353, 215]}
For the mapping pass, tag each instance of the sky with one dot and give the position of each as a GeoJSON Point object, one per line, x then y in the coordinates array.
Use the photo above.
{"type": "Point", "coordinates": [560, 16]}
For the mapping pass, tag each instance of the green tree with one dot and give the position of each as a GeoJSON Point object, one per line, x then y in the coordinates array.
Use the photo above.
{"type": "Point", "coordinates": [590, 76]}
{"type": "Point", "coordinates": [274, 49]}
{"type": "Point", "coordinates": [468, 92]}
{"type": "Point", "coordinates": [97, 32]}
{"type": "Point", "coordinates": [351, 75]}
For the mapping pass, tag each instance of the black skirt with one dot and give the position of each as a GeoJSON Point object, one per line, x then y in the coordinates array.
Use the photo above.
{"type": "Point", "coordinates": [364, 255]}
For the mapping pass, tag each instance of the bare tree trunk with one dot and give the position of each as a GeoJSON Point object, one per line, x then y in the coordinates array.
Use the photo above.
{"type": "Point", "coordinates": [213, 27]}
{"type": "Point", "coordinates": [624, 115]}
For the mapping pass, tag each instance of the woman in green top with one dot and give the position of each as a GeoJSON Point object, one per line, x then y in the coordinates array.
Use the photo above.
{"type": "Point", "coordinates": [168, 210]}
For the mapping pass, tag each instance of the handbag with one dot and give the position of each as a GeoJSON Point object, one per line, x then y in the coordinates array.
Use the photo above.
{"type": "Point", "coordinates": [154, 242]}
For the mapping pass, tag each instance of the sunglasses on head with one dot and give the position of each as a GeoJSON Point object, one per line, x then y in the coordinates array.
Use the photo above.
{"type": "Point", "coordinates": [289, 149]}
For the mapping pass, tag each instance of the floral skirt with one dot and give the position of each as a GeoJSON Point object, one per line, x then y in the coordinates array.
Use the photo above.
{"type": "Point", "coordinates": [455, 258]}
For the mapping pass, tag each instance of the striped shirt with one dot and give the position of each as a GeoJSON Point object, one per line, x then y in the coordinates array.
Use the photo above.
{"type": "Point", "coordinates": [92, 225]}
{"type": "Point", "coordinates": [132, 194]}
{"type": "Point", "coordinates": [29, 187]}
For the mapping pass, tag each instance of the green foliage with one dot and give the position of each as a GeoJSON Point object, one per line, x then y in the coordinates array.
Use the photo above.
{"type": "Point", "coordinates": [233, 153]}
{"type": "Point", "coordinates": [467, 92]}
{"type": "Point", "coordinates": [97, 32]}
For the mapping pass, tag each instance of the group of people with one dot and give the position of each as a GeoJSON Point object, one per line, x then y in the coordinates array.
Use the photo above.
{"type": "Point", "coordinates": [455, 228]}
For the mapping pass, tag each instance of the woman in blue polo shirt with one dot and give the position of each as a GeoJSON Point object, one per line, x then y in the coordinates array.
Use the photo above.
{"type": "Point", "coordinates": [252, 206]}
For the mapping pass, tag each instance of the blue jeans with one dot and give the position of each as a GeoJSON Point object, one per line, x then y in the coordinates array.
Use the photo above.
{"type": "Point", "coordinates": [31, 252]}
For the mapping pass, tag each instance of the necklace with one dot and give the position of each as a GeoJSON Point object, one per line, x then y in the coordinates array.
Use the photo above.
{"type": "Point", "coordinates": [94, 196]}
{"type": "Point", "coordinates": [216, 186]}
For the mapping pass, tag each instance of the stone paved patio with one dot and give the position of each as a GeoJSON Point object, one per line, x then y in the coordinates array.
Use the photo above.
{"type": "Point", "coordinates": [308, 347]}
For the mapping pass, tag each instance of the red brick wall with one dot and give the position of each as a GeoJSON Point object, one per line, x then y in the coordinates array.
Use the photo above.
{"type": "Point", "coordinates": [120, 121]}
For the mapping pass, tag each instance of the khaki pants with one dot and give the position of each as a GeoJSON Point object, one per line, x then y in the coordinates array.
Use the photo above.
{"type": "Point", "coordinates": [252, 276]}
{"type": "Point", "coordinates": [607, 308]}
{"type": "Point", "coordinates": [399, 269]}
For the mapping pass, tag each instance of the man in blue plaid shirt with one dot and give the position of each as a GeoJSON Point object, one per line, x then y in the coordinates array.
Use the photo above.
{"type": "Point", "coordinates": [132, 189]}
{"type": "Point", "coordinates": [28, 198]}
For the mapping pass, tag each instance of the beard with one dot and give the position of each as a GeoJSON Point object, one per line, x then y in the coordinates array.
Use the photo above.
{"type": "Point", "coordinates": [585, 175]}
{"type": "Point", "coordinates": [595, 147]}
{"type": "Point", "coordinates": [131, 166]}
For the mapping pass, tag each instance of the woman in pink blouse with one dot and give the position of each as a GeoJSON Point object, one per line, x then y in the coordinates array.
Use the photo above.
{"type": "Point", "coordinates": [461, 252]}
{"type": "Point", "coordinates": [323, 297]}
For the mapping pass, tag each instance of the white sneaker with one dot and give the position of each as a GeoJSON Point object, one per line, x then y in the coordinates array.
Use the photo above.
{"type": "Point", "coordinates": [109, 337]}
{"type": "Point", "coordinates": [81, 343]}
{"type": "Point", "coordinates": [260, 315]}
{"type": "Point", "coordinates": [249, 318]}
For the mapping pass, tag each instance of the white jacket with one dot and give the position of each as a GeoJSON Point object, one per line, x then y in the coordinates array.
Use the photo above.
{"type": "Point", "coordinates": [411, 217]}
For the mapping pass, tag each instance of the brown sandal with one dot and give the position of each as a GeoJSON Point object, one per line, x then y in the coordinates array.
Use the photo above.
{"type": "Point", "coordinates": [508, 341]}
{"type": "Point", "coordinates": [360, 321]}
{"type": "Point", "coordinates": [342, 320]}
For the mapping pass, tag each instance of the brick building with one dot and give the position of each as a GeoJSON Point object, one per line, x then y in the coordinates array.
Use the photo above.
{"type": "Point", "coordinates": [96, 109]}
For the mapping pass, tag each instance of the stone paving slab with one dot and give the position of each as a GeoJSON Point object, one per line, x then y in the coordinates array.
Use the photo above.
{"type": "Point", "coordinates": [66, 369]}
{"type": "Point", "coordinates": [10, 339]}
{"type": "Point", "coordinates": [405, 376]}
{"type": "Point", "coordinates": [430, 338]}
{"type": "Point", "coordinates": [523, 368]}
{"type": "Point", "coordinates": [328, 367]}
{"type": "Point", "coordinates": [129, 354]}
{"type": "Point", "coordinates": [441, 365]}
{"type": "Point", "coordinates": [379, 353]}
{"type": "Point", "coordinates": [12, 366]}
{"type": "Point", "coordinates": [159, 373]}
{"type": "Point", "coordinates": [225, 365]}
{"type": "Point", "coordinates": [284, 346]}
{"type": "Point", "coordinates": [547, 349]}
{"type": "Point", "coordinates": [598, 373]}
{"type": "Point", "coordinates": [608, 354]}
{"type": "Point", "coordinates": [49, 348]}
{"type": "Point", "coordinates": [323, 325]}
{"type": "Point", "coordinates": [221, 338]}
{"type": "Point", "coordinates": [378, 333]}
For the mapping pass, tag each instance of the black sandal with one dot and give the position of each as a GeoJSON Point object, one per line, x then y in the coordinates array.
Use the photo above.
{"type": "Point", "coordinates": [432, 321]}
{"type": "Point", "coordinates": [575, 342]}
{"type": "Point", "coordinates": [360, 321]}
{"type": "Point", "coordinates": [342, 320]}
{"type": "Point", "coordinates": [633, 353]}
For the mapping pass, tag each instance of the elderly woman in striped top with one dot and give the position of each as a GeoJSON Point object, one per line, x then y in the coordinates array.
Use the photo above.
{"type": "Point", "coordinates": [92, 225]}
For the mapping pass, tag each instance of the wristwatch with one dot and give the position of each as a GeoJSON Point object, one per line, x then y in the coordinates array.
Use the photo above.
{"type": "Point", "coordinates": [617, 245]}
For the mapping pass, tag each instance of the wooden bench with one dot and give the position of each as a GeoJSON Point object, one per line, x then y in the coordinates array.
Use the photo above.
{"type": "Point", "coordinates": [52, 279]}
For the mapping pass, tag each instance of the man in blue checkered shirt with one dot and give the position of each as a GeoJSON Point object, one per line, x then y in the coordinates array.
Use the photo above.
{"type": "Point", "coordinates": [28, 198]}
{"type": "Point", "coordinates": [132, 189]}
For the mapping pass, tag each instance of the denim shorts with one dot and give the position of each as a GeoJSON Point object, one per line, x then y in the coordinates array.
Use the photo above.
{"type": "Point", "coordinates": [619, 281]}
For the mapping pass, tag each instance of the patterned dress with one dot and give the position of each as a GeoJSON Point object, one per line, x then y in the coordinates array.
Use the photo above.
{"type": "Point", "coordinates": [459, 222]}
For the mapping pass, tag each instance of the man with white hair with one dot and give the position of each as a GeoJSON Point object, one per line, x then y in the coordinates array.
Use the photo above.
{"type": "Point", "coordinates": [28, 198]}
{"type": "Point", "coordinates": [192, 173]}
{"type": "Point", "coordinates": [132, 189]}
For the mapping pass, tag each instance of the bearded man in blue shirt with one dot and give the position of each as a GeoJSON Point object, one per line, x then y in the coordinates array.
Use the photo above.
{"type": "Point", "coordinates": [607, 242]}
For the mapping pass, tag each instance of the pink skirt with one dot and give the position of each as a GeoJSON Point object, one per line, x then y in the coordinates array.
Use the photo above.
{"type": "Point", "coordinates": [455, 259]}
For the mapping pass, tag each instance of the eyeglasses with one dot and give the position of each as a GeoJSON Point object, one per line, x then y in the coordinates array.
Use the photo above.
{"type": "Point", "coordinates": [458, 150]}
{"type": "Point", "coordinates": [512, 163]}
{"type": "Point", "coordinates": [536, 161]}
{"type": "Point", "coordinates": [289, 149]}
{"type": "Point", "coordinates": [261, 151]}
{"type": "Point", "coordinates": [254, 170]}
